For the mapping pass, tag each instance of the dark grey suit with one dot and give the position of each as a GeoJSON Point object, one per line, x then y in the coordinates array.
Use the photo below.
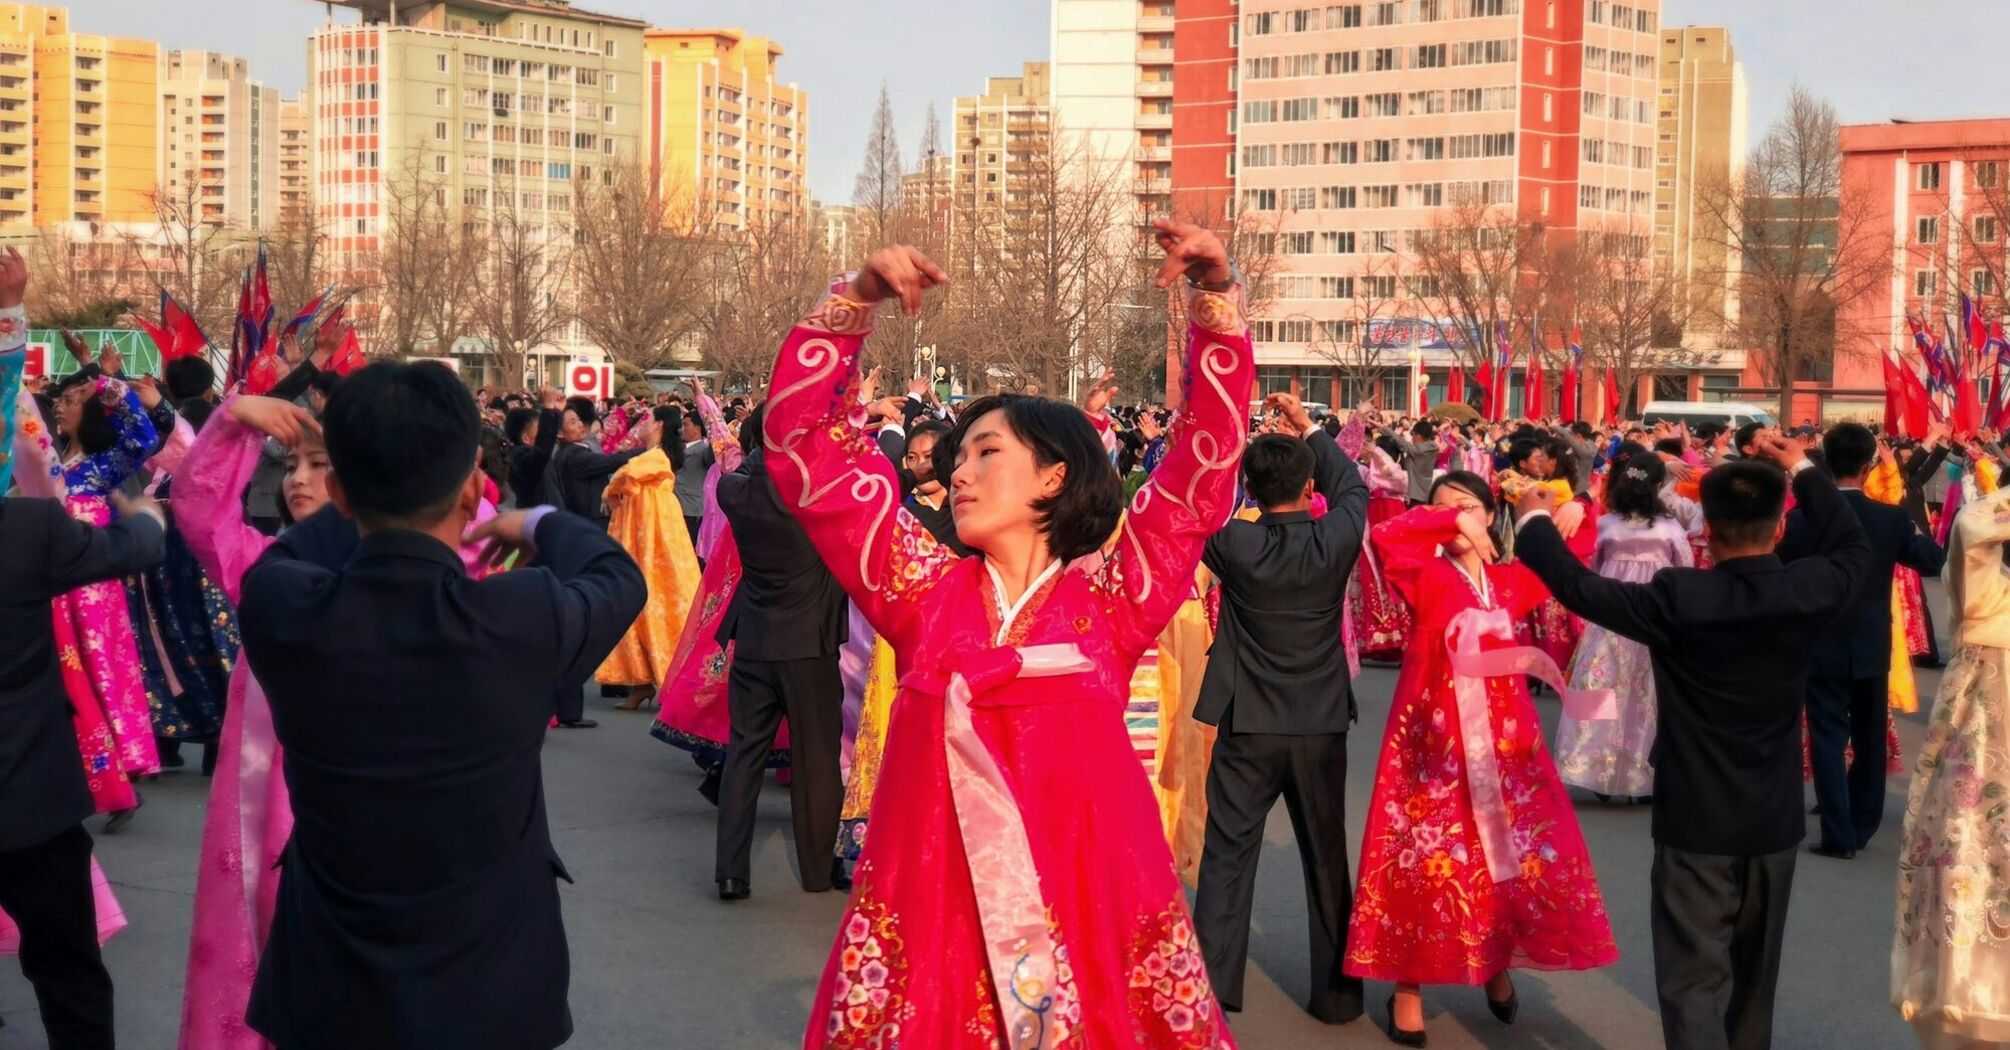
{"type": "Point", "coordinates": [1277, 685]}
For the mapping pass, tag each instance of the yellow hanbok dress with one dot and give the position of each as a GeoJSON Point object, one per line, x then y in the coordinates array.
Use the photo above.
{"type": "Point", "coordinates": [647, 521]}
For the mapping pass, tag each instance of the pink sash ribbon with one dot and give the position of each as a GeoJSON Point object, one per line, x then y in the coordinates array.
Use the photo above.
{"type": "Point", "coordinates": [1471, 667]}
{"type": "Point", "coordinates": [1010, 907]}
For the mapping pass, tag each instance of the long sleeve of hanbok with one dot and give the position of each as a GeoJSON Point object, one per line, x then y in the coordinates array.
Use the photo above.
{"type": "Point", "coordinates": [180, 438]}
{"type": "Point", "coordinates": [1407, 542]}
{"type": "Point", "coordinates": [1977, 589]}
{"type": "Point", "coordinates": [832, 476]}
{"type": "Point", "coordinates": [209, 499]}
{"type": "Point", "coordinates": [725, 447]}
{"type": "Point", "coordinates": [134, 441]}
{"type": "Point", "coordinates": [1192, 491]}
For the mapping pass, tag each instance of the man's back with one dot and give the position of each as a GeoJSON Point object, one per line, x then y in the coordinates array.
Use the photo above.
{"type": "Point", "coordinates": [1731, 646]}
{"type": "Point", "coordinates": [1859, 643]}
{"type": "Point", "coordinates": [418, 906]}
{"type": "Point", "coordinates": [787, 606]}
{"type": "Point", "coordinates": [1278, 658]}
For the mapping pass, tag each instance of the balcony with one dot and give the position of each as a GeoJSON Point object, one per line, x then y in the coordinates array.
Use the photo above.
{"type": "Point", "coordinates": [1155, 23]}
{"type": "Point", "coordinates": [1155, 121]}
{"type": "Point", "coordinates": [1155, 56]}
{"type": "Point", "coordinates": [1149, 154]}
{"type": "Point", "coordinates": [1155, 89]}
{"type": "Point", "coordinates": [1159, 187]}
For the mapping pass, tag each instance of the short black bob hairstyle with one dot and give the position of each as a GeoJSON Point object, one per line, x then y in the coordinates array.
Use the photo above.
{"type": "Point", "coordinates": [375, 421]}
{"type": "Point", "coordinates": [1850, 449]}
{"type": "Point", "coordinates": [1275, 469]}
{"type": "Point", "coordinates": [1078, 519]}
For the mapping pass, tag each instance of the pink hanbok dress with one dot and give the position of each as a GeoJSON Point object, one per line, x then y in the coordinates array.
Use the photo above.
{"type": "Point", "coordinates": [1017, 888]}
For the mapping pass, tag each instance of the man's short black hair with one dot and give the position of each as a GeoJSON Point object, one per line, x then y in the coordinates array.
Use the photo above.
{"type": "Point", "coordinates": [1275, 469]}
{"type": "Point", "coordinates": [188, 377]}
{"type": "Point", "coordinates": [401, 440]}
{"type": "Point", "coordinates": [1080, 517]}
{"type": "Point", "coordinates": [1425, 429]}
{"type": "Point", "coordinates": [516, 421]}
{"type": "Point", "coordinates": [1523, 447]}
{"type": "Point", "coordinates": [1743, 438]}
{"type": "Point", "coordinates": [1583, 430]}
{"type": "Point", "coordinates": [582, 407]}
{"type": "Point", "coordinates": [1849, 449]}
{"type": "Point", "coordinates": [1709, 429]}
{"type": "Point", "coordinates": [1670, 447]}
{"type": "Point", "coordinates": [1743, 501]}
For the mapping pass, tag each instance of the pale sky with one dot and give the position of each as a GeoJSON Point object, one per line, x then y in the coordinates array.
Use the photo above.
{"type": "Point", "coordinates": [1875, 59]}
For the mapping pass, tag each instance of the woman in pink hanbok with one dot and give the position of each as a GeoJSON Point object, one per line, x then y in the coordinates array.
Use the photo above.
{"type": "Point", "coordinates": [1017, 889]}
{"type": "Point", "coordinates": [249, 815]}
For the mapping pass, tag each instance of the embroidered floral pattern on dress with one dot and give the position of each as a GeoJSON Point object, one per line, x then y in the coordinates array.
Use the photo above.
{"type": "Point", "coordinates": [868, 999]}
{"type": "Point", "coordinates": [1217, 311]}
{"type": "Point", "coordinates": [1169, 983]}
{"type": "Point", "coordinates": [843, 315]}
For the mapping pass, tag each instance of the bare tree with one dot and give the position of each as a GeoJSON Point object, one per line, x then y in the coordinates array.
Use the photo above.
{"type": "Point", "coordinates": [84, 283]}
{"type": "Point", "coordinates": [637, 263]}
{"type": "Point", "coordinates": [421, 267]}
{"type": "Point", "coordinates": [1632, 311]}
{"type": "Point", "coordinates": [521, 298]}
{"type": "Point", "coordinates": [877, 191]}
{"type": "Point", "coordinates": [1476, 264]}
{"type": "Point", "coordinates": [1805, 243]}
{"type": "Point", "coordinates": [753, 291]}
{"type": "Point", "coordinates": [196, 259]}
{"type": "Point", "coordinates": [297, 260]}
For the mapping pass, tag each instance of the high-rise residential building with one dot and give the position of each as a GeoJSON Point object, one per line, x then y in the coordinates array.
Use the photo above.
{"type": "Point", "coordinates": [79, 121]}
{"type": "Point", "coordinates": [1112, 93]}
{"type": "Point", "coordinates": [997, 140]}
{"type": "Point", "coordinates": [511, 104]}
{"type": "Point", "coordinates": [220, 140]}
{"type": "Point", "coordinates": [296, 130]}
{"type": "Point", "coordinates": [1700, 143]}
{"type": "Point", "coordinates": [834, 222]}
{"type": "Point", "coordinates": [1358, 125]}
{"type": "Point", "coordinates": [731, 140]}
{"type": "Point", "coordinates": [928, 192]}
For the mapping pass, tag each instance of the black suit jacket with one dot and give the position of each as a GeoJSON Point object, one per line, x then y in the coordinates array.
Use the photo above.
{"type": "Point", "coordinates": [42, 788]}
{"type": "Point", "coordinates": [531, 481]}
{"type": "Point", "coordinates": [580, 476]}
{"type": "Point", "coordinates": [1859, 645]}
{"type": "Point", "coordinates": [1919, 469]}
{"type": "Point", "coordinates": [1731, 648]}
{"type": "Point", "coordinates": [1278, 664]}
{"type": "Point", "coordinates": [418, 907]}
{"type": "Point", "coordinates": [788, 606]}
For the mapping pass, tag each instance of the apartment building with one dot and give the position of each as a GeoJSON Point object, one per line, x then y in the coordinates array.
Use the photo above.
{"type": "Point", "coordinates": [1700, 143]}
{"type": "Point", "coordinates": [296, 129]}
{"type": "Point", "coordinates": [997, 141]}
{"type": "Point", "coordinates": [1112, 92]}
{"type": "Point", "coordinates": [731, 139]}
{"type": "Point", "coordinates": [79, 121]}
{"type": "Point", "coordinates": [507, 104]}
{"type": "Point", "coordinates": [1358, 125]}
{"type": "Point", "coordinates": [220, 140]}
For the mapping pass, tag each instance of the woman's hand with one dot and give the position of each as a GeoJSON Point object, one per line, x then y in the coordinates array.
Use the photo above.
{"type": "Point", "coordinates": [1190, 250]}
{"type": "Point", "coordinates": [897, 272]}
{"type": "Point", "coordinates": [1473, 526]}
{"type": "Point", "coordinates": [1097, 401]}
{"type": "Point", "coordinates": [148, 391]}
{"type": "Point", "coordinates": [283, 421]}
{"type": "Point", "coordinates": [1568, 518]}
{"type": "Point", "coordinates": [1292, 410]}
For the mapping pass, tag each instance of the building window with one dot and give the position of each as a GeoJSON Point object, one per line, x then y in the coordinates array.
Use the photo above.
{"type": "Point", "coordinates": [1985, 229]}
{"type": "Point", "coordinates": [1927, 176]}
{"type": "Point", "coordinates": [607, 114]}
{"type": "Point", "coordinates": [1929, 229]}
{"type": "Point", "coordinates": [1987, 175]}
{"type": "Point", "coordinates": [440, 95]}
{"type": "Point", "coordinates": [440, 165]}
{"type": "Point", "coordinates": [440, 64]}
{"type": "Point", "coordinates": [1548, 107]}
{"type": "Point", "coordinates": [1983, 282]}
{"type": "Point", "coordinates": [1922, 284]}
{"type": "Point", "coordinates": [1549, 61]}
{"type": "Point", "coordinates": [609, 49]}
{"type": "Point", "coordinates": [610, 82]}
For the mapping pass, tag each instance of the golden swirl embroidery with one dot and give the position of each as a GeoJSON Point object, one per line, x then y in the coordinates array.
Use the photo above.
{"type": "Point", "coordinates": [842, 315]}
{"type": "Point", "coordinates": [1217, 311]}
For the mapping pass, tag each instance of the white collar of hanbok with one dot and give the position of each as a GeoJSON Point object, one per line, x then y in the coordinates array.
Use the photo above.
{"type": "Point", "coordinates": [1009, 613]}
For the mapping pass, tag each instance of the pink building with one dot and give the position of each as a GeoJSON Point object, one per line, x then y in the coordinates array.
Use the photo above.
{"type": "Point", "coordinates": [1357, 124]}
{"type": "Point", "coordinates": [1934, 191]}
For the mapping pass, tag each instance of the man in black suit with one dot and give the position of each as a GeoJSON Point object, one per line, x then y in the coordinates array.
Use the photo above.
{"type": "Point", "coordinates": [45, 853]}
{"type": "Point", "coordinates": [577, 474]}
{"type": "Point", "coordinates": [1731, 647]}
{"type": "Point", "coordinates": [418, 905]}
{"type": "Point", "coordinates": [1847, 691]}
{"type": "Point", "coordinates": [1278, 688]}
{"type": "Point", "coordinates": [531, 435]}
{"type": "Point", "coordinates": [787, 621]}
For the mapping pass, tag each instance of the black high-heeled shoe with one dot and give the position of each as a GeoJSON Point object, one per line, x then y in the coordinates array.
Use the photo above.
{"type": "Point", "coordinates": [1505, 1012]}
{"type": "Point", "coordinates": [1403, 1036]}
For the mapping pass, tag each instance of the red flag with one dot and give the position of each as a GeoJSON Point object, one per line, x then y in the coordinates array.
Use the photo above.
{"type": "Point", "coordinates": [1567, 411]}
{"type": "Point", "coordinates": [1894, 396]}
{"type": "Point", "coordinates": [185, 335]}
{"type": "Point", "coordinates": [1917, 404]}
{"type": "Point", "coordinates": [348, 357]}
{"type": "Point", "coordinates": [1535, 397]}
{"type": "Point", "coordinates": [1423, 394]}
{"type": "Point", "coordinates": [1455, 383]}
{"type": "Point", "coordinates": [1612, 406]}
{"type": "Point", "coordinates": [1486, 380]}
{"type": "Point", "coordinates": [1967, 403]}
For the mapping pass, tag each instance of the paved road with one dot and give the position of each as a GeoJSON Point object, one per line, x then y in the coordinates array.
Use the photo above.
{"type": "Point", "coordinates": [659, 962]}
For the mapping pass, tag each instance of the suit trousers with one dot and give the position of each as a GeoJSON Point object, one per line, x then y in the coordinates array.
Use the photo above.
{"type": "Point", "coordinates": [1248, 772]}
{"type": "Point", "coordinates": [758, 694]}
{"type": "Point", "coordinates": [1847, 711]}
{"type": "Point", "coordinates": [1717, 923]}
{"type": "Point", "coordinates": [46, 889]}
{"type": "Point", "coordinates": [572, 703]}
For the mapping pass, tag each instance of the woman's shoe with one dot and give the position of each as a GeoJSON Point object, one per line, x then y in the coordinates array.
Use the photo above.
{"type": "Point", "coordinates": [1403, 1036]}
{"type": "Point", "coordinates": [120, 818]}
{"type": "Point", "coordinates": [1505, 1012]}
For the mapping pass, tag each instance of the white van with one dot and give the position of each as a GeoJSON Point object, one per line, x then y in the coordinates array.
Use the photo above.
{"type": "Point", "coordinates": [1732, 414]}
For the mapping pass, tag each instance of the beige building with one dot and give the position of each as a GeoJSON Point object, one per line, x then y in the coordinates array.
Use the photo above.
{"type": "Point", "coordinates": [1112, 94]}
{"type": "Point", "coordinates": [509, 103]}
{"type": "Point", "coordinates": [834, 222]}
{"type": "Point", "coordinates": [220, 140]}
{"type": "Point", "coordinates": [997, 139]}
{"type": "Point", "coordinates": [731, 139]}
{"type": "Point", "coordinates": [296, 191]}
{"type": "Point", "coordinates": [79, 121]}
{"type": "Point", "coordinates": [1700, 142]}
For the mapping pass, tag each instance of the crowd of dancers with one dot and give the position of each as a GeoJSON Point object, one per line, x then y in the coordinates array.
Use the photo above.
{"type": "Point", "coordinates": [1027, 667]}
